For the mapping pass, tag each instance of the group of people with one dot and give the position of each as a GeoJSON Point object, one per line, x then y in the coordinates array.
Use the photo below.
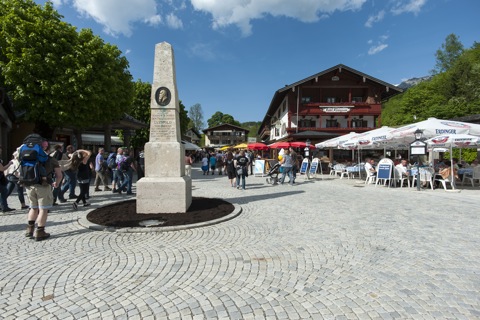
{"type": "Point", "coordinates": [61, 172]}
{"type": "Point", "coordinates": [237, 165]}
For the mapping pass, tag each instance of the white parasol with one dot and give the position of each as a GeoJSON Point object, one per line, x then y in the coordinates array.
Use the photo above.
{"type": "Point", "coordinates": [453, 141]}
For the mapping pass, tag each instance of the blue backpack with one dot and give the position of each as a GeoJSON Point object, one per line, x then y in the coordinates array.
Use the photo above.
{"type": "Point", "coordinates": [111, 160]}
{"type": "Point", "coordinates": [32, 161]}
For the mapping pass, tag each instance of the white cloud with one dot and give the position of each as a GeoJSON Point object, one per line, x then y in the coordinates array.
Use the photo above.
{"type": "Point", "coordinates": [174, 22]}
{"type": "Point", "coordinates": [127, 51]}
{"type": "Point", "coordinates": [57, 3]}
{"type": "Point", "coordinates": [117, 16]}
{"type": "Point", "coordinates": [204, 51]}
{"type": "Point", "coordinates": [241, 12]}
{"type": "Point", "coordinates": [379, 46]}
{"type": "Point", "coordinates": [376, 49]}
{"type": "Point", "coordinates": [413, 6]}
{"type": "Point", "coordinates": [376, 18]}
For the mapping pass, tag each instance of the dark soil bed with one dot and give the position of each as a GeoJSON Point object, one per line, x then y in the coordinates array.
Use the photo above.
{"type": "Point", "coordinates": [124, 214]}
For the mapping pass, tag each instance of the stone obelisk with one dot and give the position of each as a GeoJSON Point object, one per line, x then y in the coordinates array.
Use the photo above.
{"type": "Point", "coordinates": [165, 188]}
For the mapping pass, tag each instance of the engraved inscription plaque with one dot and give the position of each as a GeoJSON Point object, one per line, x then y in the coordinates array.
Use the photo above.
{"type": "Point", "coordinates": [162, 126]}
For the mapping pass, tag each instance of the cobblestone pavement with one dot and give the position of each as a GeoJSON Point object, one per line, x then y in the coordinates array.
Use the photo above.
{"type": "Point", "coordinates": [321, 249]}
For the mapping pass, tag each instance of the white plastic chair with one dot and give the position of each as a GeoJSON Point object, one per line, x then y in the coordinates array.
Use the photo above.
{"type": "Point", "coordinates": [370, 177]}
{"type": "Point", "coordinates": [474, 176]}
{"type": "Point", "coordinates": [426, 176]}
{"type": "Point", "coordinates": [399, 177]}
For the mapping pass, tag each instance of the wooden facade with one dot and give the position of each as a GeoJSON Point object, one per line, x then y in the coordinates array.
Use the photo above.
{"type": "Point", "coordinates": [225, 135]}
{"type": "Point", "coordinates": [331, 103]}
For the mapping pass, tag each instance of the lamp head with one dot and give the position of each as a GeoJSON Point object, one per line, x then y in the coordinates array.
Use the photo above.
{"type": "Point", "coordinates": [418, 134]}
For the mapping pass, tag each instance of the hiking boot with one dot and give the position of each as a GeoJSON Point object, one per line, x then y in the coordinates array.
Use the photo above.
{"type": "Point", "coordinates": [41, 235]}
{"type": "Point", "coordinates": [29, 232]}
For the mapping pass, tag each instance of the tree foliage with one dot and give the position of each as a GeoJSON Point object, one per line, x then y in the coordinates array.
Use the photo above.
{"type": "Point", "coordinates": [448, 54]}
{"type": "Point", "coordinates": [450, 94]}
{"type": "Point", "coordinates": [219, 118]}
{"type": "Point", "coordinates": [58, 76]}
{"type": "Point", "coordinates": [140, 110]}
{"type": "Point", "coordinates": [196, 116]}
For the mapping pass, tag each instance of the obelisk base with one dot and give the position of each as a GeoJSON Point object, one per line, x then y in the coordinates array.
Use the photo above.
{"type": "Point", "coordinates": [164, 195]}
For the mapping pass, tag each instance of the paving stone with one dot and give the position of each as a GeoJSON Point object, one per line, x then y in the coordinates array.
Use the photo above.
{"type": "Point", "coordinates": [326, 249]}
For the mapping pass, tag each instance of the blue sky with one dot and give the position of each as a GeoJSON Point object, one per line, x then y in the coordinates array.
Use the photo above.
{"type": "Point", "coordinates": [232, 55]}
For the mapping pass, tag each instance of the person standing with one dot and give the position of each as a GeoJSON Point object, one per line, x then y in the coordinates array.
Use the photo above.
{"type": "Point", "coordinates": [205, 164]}
{"type": "Point", "coordinates": [141, 165]}
{"type": "Point", "coordinates": [70, 178]}
{"type": "Point", "coordinates": [117, 177]}
{"type": "Point", "coordinates": [188, 165]}
{"type": "Point", "coordinates": [230, 168]}
{"type": "Point", "coordinates": [294, 156]}
{"type": "Point", "coordinates": [3, 185]}
{"type": "Point", "coordinates": [125, 167]}
{"type": "Point", "coordinates": [80, 162]}
{"type": "Point", "coordinates": [14, 169]}
{"type": "Point", "coordinates": [287, 165]}
{"type": "Point", "coordinates": [213, 163]}
{"type": "Point", "coordinates": [241, 165]}
{"type": "Point", "coordinates": [40, 194]}
{"type": "Point", "coordinates": [101, 170]}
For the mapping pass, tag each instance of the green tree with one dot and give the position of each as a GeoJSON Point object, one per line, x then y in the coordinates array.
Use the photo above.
{"type": "Point", "coordinates": [196, 116]}
{"type": "Point", "coordinates": [57, 76]}
{"type": "Point", "coordinates": [140, 110]}
{"type": "Point", "coordinates": [450, 94]}
{"type": "Point", "coordinates": [448, 54]}
{"type": "Point", "coordinates": [219, 118]}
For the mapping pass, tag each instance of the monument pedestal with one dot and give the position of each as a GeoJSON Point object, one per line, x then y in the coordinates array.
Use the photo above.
{"type": "Point", "coordinates": [164, 195]}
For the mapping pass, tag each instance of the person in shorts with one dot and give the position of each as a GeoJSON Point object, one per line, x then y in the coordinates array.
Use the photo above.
{"type": "Point", "coordinates": [40, 196]}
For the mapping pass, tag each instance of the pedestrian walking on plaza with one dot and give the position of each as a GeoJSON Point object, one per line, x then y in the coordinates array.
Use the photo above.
{"type": "Point", "coordinates": [14, 170]}
{"type": "Point", "coordinates": [70, 182]}
{"type": "Point", "coordinates": [230, 168]}
{"type": "Point", "coordinates": [101, 170]}
{"type": "Point", "coordinates": [79, 160]}
{"type": "Point", "coordinates": [287, 165]}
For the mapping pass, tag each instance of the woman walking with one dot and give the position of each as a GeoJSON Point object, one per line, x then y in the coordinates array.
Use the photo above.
{"type": "Point", "coordinates": [79, 162]}
{"type": "Point", "coordinates": [230, 168]}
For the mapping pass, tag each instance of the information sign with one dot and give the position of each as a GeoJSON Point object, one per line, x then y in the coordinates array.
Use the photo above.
{"type": "Point", "coordinates": [259, 168]}
{"type": "Point", "coordinates": [304, 167]}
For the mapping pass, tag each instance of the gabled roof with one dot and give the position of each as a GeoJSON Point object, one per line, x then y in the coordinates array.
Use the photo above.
{"type": "Point", "coordinates": [195, 131]}
{"type": "Point", "coordinates": [282, 92]}
{"type": "Point", "coordinates": [226, 125]}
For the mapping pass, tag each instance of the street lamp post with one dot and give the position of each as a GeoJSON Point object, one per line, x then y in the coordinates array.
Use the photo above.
{"type": "Point", "coordinates": [418, 147]}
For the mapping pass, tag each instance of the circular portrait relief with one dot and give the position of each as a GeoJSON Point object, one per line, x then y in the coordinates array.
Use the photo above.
{"type": "Point", "coordinates": [163, 96]}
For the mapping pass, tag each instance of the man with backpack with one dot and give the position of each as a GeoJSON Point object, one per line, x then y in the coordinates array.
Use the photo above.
{"type": "Point", "coordinates": [36, 174]}
{"type": "Point", "coordinates": [125, 167]}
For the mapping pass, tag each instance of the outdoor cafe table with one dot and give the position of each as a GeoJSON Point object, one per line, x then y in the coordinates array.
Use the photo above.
{"type": "Point", "coordinates": [355, 169]}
